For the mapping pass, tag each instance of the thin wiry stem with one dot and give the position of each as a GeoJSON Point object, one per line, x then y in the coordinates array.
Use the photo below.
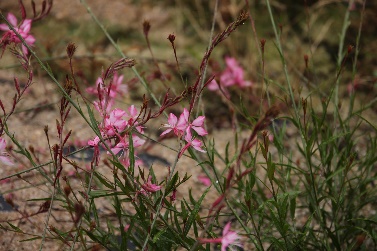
{"type": "Point", "coordinates": [80, 222]}
{"type": "Point", "coordinates": [346, 24]}
{"type": "Point", "coordinates": [133, 68]}
{"type": "Point", "coordinates": [357, 49]}
{"type": "Point", "coordinates": [163, 196]}
{"type": "Point", "coordinates": [206, 65]}
{"type": "Point", "coordinates": [47, 219]}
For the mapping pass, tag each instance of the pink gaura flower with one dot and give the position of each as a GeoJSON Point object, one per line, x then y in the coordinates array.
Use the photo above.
{"type": "Point", "coordinates": [204, 180]}
{"type": "Point", "coordinates": [115, 122]}
{"type": "Point", "coordinates": [228, 239]}
{"type": "Point", "coordinates": [132, 115]}
{"type": "Point", "coordinates": [4, 156]}
{"type": "Point", "coordinates": [124, 144]}
{"type": "Point", "coordinates": [232, 75]}
{"type": "Point", "coordinates": [213, 85]}
{"type": "Point", "coordinates": [104, 106]}
{"type": "Point", "coordinates": [116, 87]}
{"type": "Point", "coordinates": [197, 126]}
{"type": "Point", "coordinates": [150, 187]}
{"type": "Point", "coordinates": [178, 126]}
{"type": "Point", "coordinates": [125, 161]}
{"type": "Point", "coordinates": [94, 142]}
{"type": "Point", "coordinates": [191, 141]}
{"type": "Point", "coordinates": [94, 90]}
{"type": "Point", "coordinates": [23, 29]}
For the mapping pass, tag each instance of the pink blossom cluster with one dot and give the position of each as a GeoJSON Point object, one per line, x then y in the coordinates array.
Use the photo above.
{"type": "Point", "coordinates": [116, 87]}
{"type": "Point", "coordinates": [23, 29]}
{"type": "Point", "coordinates": [232, 75]}
{"type": "Point", "coordinates": [115, 121]}
{"type": "Point", "coordinates": [183, 128]}
{"type": "Point", "coordinates": [107, 94]}
{"type": "Point", "coordinates": [4, 156]}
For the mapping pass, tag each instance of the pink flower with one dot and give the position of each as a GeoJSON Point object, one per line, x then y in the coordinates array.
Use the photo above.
{"type": "Point", "coordinates": [104, 107]}
{"type": "Point", "coordinates": [213, 85]}
{"type": "Point", "coordinates": [228, 238]}
{"type": "Point", "coordinates": [195, 143]}
{"type": "Point", "coordinates": [4, 156]}
{"type": "Point", "coordinates": [116, 87]}
{"type": "Point", "coordinates": [197, 126]}
{"type": "Point", "coordinates": [124, 144]}
{"type": "Point", "coordinates": [232, 75]}
{"type": "Point", "coordinates": [132, 116]}
{"type": "Point", "coordinates": [205, 180]}
{"type": "Point", "coordinates": [94, 142]}
{"type": "Point", "coordinates": [23, 29]}
{"type": "Point", "coordinates": [115, 122]}
{"type": "Point", "coordinates": [175, 125]}
{"type": "Point", "coordinates": [150, 187]}
{"type": "Point", "coordinates": [179, 126]}
{"type": "Point", "coordinates": [94, 90]}
{"type": "Point", "coordinates": [126, 161]}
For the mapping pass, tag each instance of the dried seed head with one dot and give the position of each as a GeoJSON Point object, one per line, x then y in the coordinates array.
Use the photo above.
{"type": "Point", "coordinates": [31, 149]}
{"type": "Point", "coordinates": [262, 44]}
{"type": "Point", "coordinates": [241, 18]}
{"type": "Point", "coordinates": [67, 190]}
{"type": "Point", "coordinates": [71, 49]}
{"type": "Point", "coordinates": [272, 113]}
{"type": "Point", "coordinates": [68, 85]}
{"type": "Point", "coordinates": [79, 211]}
{"type": "Point", "coordinates": [44, 207]}
{"type": "Point", "coordinates": [146, 27]}
{"type": "Point", "coordinates": [9, 199]}
{"type": "Point", "coordinates": [171, 38]}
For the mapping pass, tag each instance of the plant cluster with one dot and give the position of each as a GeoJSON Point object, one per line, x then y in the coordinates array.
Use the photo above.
{"type": "Point", "coordinates": [314, 190]}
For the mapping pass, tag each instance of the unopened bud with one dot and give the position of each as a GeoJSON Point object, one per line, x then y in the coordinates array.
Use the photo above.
{"type": "Point", "coordinates": [71, 49]}
{"type": "Point", "coordinates": [67, 190]}
{"type": "Point", "coordinates": [171, 38]}
{"type": "Point", "coordinates": [146, 27]}
{"type": "Point", "coordinates": [262, 44]}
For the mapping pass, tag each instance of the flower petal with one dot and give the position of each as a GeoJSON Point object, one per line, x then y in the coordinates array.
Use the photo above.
{"type": "Point", "coordinates": [12, 19]}
{"type": "Point", "coordinates": [199, 121]}
{"type": "Point", "coordinates": [200, 130]}
{"type": "Point", "coordinates": [166, 132]}
{"type": "Point", "coordinates": [6, 160]}
{"type": "Point", "coordinates": [172, 120]}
